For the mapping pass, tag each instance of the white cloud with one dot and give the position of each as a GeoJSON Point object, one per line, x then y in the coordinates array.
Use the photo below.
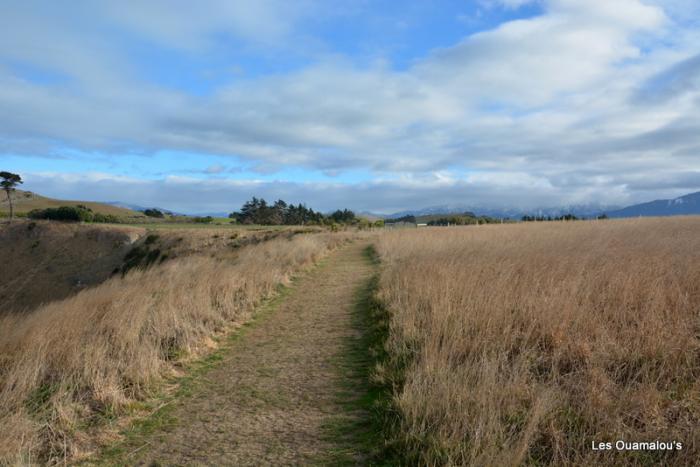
{"type": "Point", "coordinates": [589, 90]}
{"type": "Point", "coordinates": [574, 47]}
{"type": "Point", "coordinates": [192, 25]}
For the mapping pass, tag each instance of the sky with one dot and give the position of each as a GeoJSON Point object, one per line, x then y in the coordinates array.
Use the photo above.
{"type": "Point", "coordinates": [376, 106]}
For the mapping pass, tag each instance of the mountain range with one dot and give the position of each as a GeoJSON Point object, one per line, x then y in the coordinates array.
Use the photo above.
{"type": "Point", "coordinates": [682, 206]}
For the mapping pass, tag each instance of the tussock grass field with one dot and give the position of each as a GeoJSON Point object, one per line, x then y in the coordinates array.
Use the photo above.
{"type": "Point", "coordinates": [524, 344]}
{"type": "Point", "coordinates": [71, 364]}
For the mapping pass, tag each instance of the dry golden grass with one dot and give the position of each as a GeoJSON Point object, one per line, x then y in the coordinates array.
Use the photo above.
{"type": "Point", "coordinates": [70, 362]}
{"type": "Point", "coordinates": [523, 344]}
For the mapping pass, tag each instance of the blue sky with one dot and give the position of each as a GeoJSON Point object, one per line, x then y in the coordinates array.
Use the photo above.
{"type": "Point", "coordinates": [374, 105]}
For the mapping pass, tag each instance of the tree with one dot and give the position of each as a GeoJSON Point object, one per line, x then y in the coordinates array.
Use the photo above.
{"type": "Point", "coordinates": [250, 212]}
{"type": "Point", "coordinates": [8, 183]}
{"type": "Point", "coordinates": [343, 217]}
{"type": "Point", "coordinates": [278, 213]}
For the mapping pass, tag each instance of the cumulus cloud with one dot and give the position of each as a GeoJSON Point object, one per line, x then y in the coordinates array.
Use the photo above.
{"type": "Point", "coordinates": [562, 104]}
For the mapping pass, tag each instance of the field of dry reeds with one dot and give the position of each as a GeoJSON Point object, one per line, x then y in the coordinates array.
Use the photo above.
{"type": "Point", "coordinates": [70, 362]}
{"type": "Point", "coordinates": [526, 343]}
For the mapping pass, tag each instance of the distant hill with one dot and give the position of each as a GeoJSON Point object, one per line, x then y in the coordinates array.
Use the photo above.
{"type": "Point", "coordinates": [138, 208]}
{"type": "Point", "coordinates": [683, 206]}
{"type": "Point", "coordinates": [25, 201]}
{"type": "Point", "coordinates": [133, 207]}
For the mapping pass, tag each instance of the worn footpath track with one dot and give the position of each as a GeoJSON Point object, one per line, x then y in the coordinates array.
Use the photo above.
{"type": "Point", "coordinates": [268, 402]}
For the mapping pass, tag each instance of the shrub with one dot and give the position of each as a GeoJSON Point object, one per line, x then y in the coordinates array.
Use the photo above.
{"type": "Point", "coordinates": [134, 258]}
{"type": "Point", "coordinates": [77, 213]}
{"type": "Point", "coordinates": [36, 214]}
{"type": "Point", "coordinates": [105, 218]}
{"type": "Point", "coordinates": [151, 238]}
{"type": "Point", "coordinates": [63, 213]}
{"type": "Point", "coordinates": [154, 213]}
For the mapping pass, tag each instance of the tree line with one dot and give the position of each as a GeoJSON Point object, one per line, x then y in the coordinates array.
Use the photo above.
{"type": "Point", "coordinates": [258, 211]}
{"type": "Point", "coordinates": [79, 213]}
{"type": "Point", "coordinates": [408, 219]}
{"type": "Point", "coordinates": [464, 220]}
{"type": "Point", "coordinates": [467, 218]}
{"type": "Point", "coordinates": [565, 217]}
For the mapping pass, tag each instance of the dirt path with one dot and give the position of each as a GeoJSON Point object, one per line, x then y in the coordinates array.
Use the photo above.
{"type": "Point", "coordinates": [268, 401]}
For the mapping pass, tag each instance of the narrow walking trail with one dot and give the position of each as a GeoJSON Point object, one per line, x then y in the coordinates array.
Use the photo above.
{"type": "Point", "coordinates": [268, 402]}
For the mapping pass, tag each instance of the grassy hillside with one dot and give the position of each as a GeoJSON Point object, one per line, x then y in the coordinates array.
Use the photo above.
{"type": "Point", "coordinates": [522, 344]}
{"type": "Point", "coordinates": [54, 260]}
{"type": "Point", "coordinates": [25, 201]}
{"type": "Point", "coordinates": [51, 261]}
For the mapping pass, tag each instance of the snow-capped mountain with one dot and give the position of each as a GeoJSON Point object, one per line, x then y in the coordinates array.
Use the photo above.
{"type": "Point", "coordinates": [684, 205]}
